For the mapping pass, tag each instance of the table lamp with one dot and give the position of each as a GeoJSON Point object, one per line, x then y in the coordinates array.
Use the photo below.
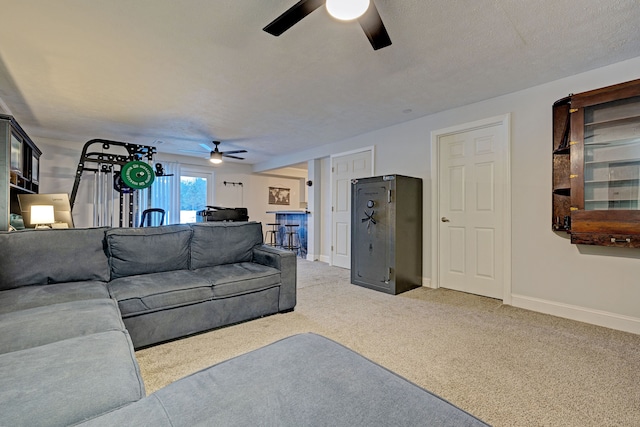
{"type": "Point", "coordinates": [42, 216]}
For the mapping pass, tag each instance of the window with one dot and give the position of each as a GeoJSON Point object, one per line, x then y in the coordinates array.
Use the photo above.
{"type": "Point", "coordinates": [195, 193]}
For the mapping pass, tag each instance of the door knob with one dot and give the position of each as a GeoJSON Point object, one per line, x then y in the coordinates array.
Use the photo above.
{"type": "Point", "coordinates": [444, 219]}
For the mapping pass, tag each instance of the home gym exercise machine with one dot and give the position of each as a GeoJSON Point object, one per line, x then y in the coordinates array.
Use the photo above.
{"type": "Point", "coordinates": [119, 169]}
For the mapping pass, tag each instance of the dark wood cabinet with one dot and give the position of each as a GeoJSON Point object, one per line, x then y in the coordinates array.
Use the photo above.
{"type": "Point", "coordinates": [19, 167]}
{"type": "Point", "coordinates": [561, 166]}
{"type": "Point", "coordinates": [596, 173]}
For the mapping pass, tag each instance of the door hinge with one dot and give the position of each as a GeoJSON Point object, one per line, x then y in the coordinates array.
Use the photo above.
{"type": "Point", "coordinates": [332, 169]}
{"type": "Point", "coordinates": [331, 248]}
{"type": "Point", "coordinates": [572, 208]}
{"type": "Point", "coordinates": [573, 176]}
{"type": "Point", "coordinates": [331, 208]}
{"type": "Point", "coordinates": [573, 110]}
{"type": "Point", "coordinates": [574, 142]}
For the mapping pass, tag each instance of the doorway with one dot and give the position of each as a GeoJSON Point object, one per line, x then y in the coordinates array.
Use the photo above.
{"type": "Point", "coordinates": [471, 199]}
{"type": "Point", "coordinates": [196, 192]}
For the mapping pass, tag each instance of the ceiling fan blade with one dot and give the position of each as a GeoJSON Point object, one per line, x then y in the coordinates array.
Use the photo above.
{"type": "Point", "coordinates": [234, 151]}
{"type": "Point", "coordinates": [205, 146]}
{"type": "Point", "coordinates": [232, 157]}
{"type": "Point", "coordinates": [292, 16]}
{"type": "Point", "coordinates": [373, 27]}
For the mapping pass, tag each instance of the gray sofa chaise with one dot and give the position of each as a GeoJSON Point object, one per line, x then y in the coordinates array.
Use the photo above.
{"type": "Point", "coordinates": [75, 303]}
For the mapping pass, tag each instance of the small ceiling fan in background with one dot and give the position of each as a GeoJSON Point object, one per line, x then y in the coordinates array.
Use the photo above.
{"type": "Point", "coordinates": [215, 155]}
{"type": "Point", "coordinates": [347, 10]}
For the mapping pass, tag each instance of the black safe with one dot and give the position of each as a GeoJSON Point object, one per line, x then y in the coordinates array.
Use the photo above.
{"type": "Point", "coordinates": [386, 233]}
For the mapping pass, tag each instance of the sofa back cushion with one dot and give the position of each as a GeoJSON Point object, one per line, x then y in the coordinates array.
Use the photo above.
{"type": "Point", "coordinates": [146, 250]}
{"type": "Point", "coordinates": [40, 257]}
{"type": "Point", "coordinates": [217, 243]}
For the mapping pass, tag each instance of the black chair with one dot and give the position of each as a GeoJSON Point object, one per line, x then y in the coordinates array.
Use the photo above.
{"type": "Point", "coordinates": [146, 214]}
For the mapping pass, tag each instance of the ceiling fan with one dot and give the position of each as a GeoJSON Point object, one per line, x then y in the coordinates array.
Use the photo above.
{"type": "Point", "coordinates": [363, 10]}
{"type": "Point", "coordinates": [217, 155]}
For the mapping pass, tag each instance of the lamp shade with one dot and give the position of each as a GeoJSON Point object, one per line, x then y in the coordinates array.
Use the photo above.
{"type": "Point", "coordinates": [42, 214]}
{"type": "Point", "coordinates": [347, 10]}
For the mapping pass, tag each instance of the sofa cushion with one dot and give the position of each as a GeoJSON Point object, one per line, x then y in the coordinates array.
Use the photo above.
{"type": "Point", "coordinates": [43, 325]}
{"type": "Point", "coordinates": [39, 257]}
{"type": "Point", "coordinates": [149, 292]}
{"type": "Point", "coordinates": [239, 278]}
{"type": "Point", "coordinates": [38, 296]}
{"type": "Point", "coordinates": [144, 250]}
{"type": "Point", "coordinates": [145, 412]}
{"type": "Point", "coordinates": [304, 380]}
{"type": "Point", "coordinates": [68, 381]}
{"type": "Point", "coordinates": [217, 243]}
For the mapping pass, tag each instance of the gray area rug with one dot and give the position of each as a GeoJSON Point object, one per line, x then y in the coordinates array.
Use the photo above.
{"type": "Point", "coordinates": [507, 366]}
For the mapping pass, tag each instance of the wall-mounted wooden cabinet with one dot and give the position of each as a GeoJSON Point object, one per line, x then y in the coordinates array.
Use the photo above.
{"type": "Point", "coordinates": [561, 166]}
{"type": "Point", "coordinates": [19, 167]}
{"type": "Point", "coordinates": [596, 167]}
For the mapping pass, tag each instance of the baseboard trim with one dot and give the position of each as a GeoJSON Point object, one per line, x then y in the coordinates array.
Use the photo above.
{"type": "Point", "coordinates": [426, 282]}
{"type": "Point", "coordinates": [325, 259]}
{"type": "Point", "coordinates": [581, 314]}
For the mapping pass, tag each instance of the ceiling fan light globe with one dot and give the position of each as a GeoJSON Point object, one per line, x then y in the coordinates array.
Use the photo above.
{"type": "Point", "coordinates": [215, 158]}
{"type": "Point", "coordinates": [347, 10]}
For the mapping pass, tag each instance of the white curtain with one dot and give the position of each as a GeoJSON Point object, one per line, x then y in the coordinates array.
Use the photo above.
{"type": "Point", "coordinates": [164, 193]}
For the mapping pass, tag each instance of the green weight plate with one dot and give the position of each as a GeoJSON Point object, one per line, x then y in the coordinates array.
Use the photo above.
{"type": "Point", "coordinates": [137, 175]}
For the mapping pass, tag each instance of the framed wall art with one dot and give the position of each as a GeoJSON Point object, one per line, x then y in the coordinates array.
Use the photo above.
{"type": "Point", "coordinates": [279, 196]}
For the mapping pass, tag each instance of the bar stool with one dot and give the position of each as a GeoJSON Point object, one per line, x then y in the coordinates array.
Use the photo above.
{"type": "Point", "coordinates": [271, 236]}
{"type": "Point", "coordinates": [292, 238]}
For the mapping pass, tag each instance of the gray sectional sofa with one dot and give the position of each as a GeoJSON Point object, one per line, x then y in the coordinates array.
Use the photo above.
{"type": "Point", "coordinates": [75, 303]}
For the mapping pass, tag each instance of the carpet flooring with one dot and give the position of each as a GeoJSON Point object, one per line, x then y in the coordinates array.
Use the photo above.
{"type": "Point", "coordinates": [507, 366]}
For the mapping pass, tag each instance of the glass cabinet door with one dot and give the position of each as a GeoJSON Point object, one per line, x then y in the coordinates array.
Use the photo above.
{"type": "Point", "coordinates": [612, 155]}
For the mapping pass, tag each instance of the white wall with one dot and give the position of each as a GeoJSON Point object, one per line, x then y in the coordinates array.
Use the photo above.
{"type": "Point", "coordinates": [325, 210]}
{"type": "Point", "coordinates": [595, 284]}
{"type": "Point", "coordinates": [58, 165]}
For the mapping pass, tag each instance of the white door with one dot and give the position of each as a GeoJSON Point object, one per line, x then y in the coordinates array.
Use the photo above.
{"type": "Point", "coordinates": [344, 168]}
{"type": "Point", "coordinates": [472, 172]}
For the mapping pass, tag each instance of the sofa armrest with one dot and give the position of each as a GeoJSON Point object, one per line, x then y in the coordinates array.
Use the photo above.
{"type": "Point", "coordinates": [286, 262]}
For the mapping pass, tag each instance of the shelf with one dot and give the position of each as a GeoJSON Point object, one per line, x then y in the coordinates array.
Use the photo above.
{"type": "Point", "coordinates": [613, 142]}
{"type": "Point", "coordinates": [616, 161]}
{"type": "Point", "coordinates": [609, 181]}
{"type": "Point", "coordinates": [621, 120]}
{"type": "Point", "coordinates": [19, 167]}
{"type": "Point", "coordinates": [610, 200]}
{"type": "Point", "coordinates": [24, 190]}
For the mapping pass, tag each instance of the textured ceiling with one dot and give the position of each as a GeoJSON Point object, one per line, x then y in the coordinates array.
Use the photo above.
{"type": "Point", "coordinates": [186, 72]}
